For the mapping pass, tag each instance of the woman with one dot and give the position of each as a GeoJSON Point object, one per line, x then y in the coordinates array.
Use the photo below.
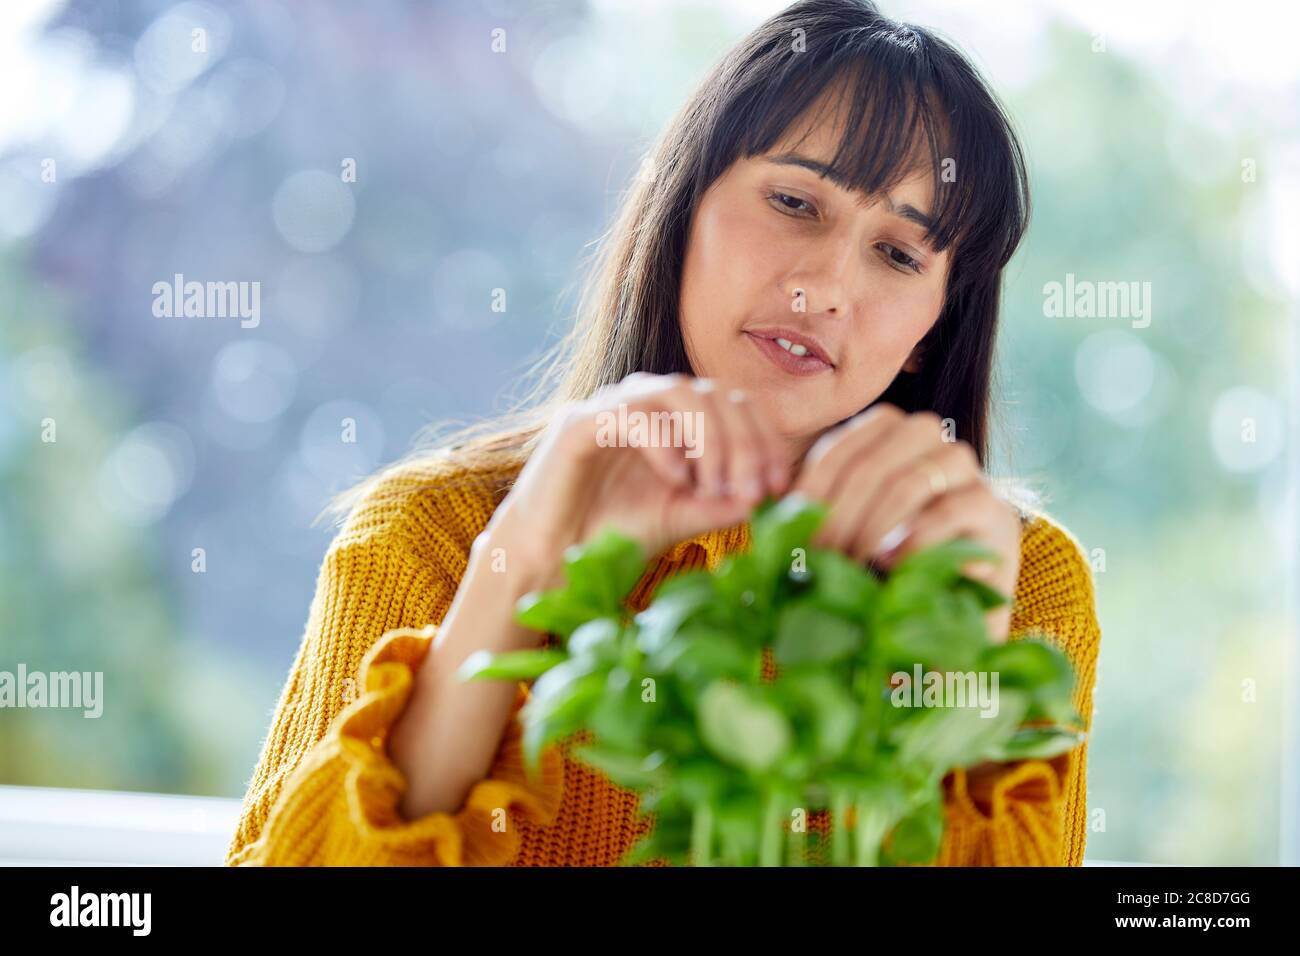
{"type": "Point", "coordinates": [808, 268]}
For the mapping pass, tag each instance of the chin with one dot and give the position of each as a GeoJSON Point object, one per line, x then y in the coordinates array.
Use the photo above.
{"type": "Point", "coordinates": [787, 415]}
{"type": "Point", "coordinates": [788, 407]}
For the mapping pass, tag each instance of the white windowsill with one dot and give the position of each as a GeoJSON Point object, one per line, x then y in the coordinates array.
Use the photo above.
{"type": "Point", "coordinates": [45, 826]}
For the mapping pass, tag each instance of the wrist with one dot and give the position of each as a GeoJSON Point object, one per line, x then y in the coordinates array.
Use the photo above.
{"type": "Point", "coordinates": [514, 569]}
{"type": "Point", "coordinates": [481, 616]}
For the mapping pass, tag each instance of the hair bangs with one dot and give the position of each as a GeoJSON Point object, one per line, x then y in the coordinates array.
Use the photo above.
{"type": "Point", "coordinates": [902, 101]}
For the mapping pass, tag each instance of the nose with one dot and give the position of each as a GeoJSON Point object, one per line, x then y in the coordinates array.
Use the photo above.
{"type": "Point", "coordinates": [820, 282]}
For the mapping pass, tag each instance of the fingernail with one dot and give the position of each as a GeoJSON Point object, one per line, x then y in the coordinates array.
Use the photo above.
{"type": "Point", "coordinates": [891, 540]}
{"type": "Point", "coordinates": [753, 489]}
{"type": "Point", "coordinates": [776, 477]}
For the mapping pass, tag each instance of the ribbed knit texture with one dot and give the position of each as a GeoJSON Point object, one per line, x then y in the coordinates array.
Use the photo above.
{"type": "Point", "coordinates": [325, 793]}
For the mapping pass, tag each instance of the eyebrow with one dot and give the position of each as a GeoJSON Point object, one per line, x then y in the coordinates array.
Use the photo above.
{"type": "Point", "coordinates": [903, 211]}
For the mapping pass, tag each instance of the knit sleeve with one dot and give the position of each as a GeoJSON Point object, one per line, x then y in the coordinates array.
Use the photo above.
{"type": "Point", "coordinates": [325, 791]}
{"type": "Point", "coordinates": [339, 807]}
{"type": "Point", "coordinates": [1034, 812]}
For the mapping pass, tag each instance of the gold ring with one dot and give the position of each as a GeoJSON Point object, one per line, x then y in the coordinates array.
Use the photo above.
{"type": "Point", "coordinates": [938, 480]}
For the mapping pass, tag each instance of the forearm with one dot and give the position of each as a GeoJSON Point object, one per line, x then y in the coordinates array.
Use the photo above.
{"type": "Point", "coordinates": [447, 735]}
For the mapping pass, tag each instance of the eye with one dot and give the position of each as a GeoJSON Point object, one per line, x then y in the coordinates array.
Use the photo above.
{"type": "Point", "coordinates": [899, 259]}
{"type": "Point", "coordinates": [784, 203]}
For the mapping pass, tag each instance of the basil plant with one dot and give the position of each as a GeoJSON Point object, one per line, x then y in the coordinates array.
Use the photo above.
{"type": "Point", "coordinates": [672, 702]}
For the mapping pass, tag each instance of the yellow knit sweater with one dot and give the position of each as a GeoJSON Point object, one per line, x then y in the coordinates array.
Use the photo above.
{"type": "Point", "coordinates": [324, 791]}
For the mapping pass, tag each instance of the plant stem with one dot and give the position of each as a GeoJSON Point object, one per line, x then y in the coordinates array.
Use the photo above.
{"type": "Point", "coordinates": [769, 853]}
{"type": "Point", "coordinates": [702, 835]}
{"type": "Point", "coordinates": [839, 828]}
{"type": "Point", "coordinates": [794, 847]}
{"type": "Point", "coordinates": [875, 681]}
{"type": "Point", "coordinates": [869, 829]}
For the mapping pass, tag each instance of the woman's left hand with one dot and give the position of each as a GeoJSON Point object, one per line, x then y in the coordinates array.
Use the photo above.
{"type": "Point", "coordinates": [895, 483]}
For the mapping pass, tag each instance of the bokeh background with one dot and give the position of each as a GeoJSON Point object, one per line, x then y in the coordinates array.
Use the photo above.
{"type": "Point", "coordinates": [1164, 142]}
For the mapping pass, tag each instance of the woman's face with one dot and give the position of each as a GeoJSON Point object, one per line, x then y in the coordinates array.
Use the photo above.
{"type": "Point", "coordinates": [777, 252]}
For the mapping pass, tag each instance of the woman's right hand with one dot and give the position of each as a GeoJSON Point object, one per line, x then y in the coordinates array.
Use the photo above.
{"type": "Point", "coordinates": [579, 480]}
{"type": "Point", "coordinates": [584, 476]}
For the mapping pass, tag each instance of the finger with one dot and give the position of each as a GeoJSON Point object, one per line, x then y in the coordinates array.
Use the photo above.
{"type": "Point", "coordinates": [710, 466]}
{"type": "Point", "coordinates": [645, 412]}
{"type": "Point", "coordinates": [775, 450]}
{"type": "Point", "coordinates": [755, 450]}
{"type": "Point", "coordinates": [907, 490]}
{"type": "Point", "coordinates": [972, 513]}
{"type": "Point", "coordinates": [698, 513]}
{"type": "Point", "coordinates": [855, 493]}
{"type": "Point", "coordinates": [957, 514]}
{"type": "Point", "coordinates": [834, 451]}
{"type": "Point", "coordinates": [599, 425]}
{"type": "Point", "coordinates": [668, 462]}
{"type": "Point", "coordinates": [720, 459]}
{"type": "Point", "coordinates": [853, 490]}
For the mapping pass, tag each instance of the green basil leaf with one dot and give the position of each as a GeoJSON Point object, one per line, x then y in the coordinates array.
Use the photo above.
{"type": "Point", "coordinates": [559, 704]}
{"type": "Point", "coordinates": [841, 583]}
{"type": "Point", "coordinates": [737, 580]}
{"type": "Point", "coordinates": [916, 838]}
{"type": "Point", "coordinates": [987, 597]}
{"type": "Point", "coordinates": [1035, 743]}
{"type": "Point", "coordinates": [807, 634]}
{"type": "Point", "coordinates": [515, 665]}
{"type": "Point", "coordinates": [603, 570]}
{"type": "Point", "coordinates": [943, 562]}
{"type": "Point", "coordinates": [941, 738]}
{"type": "Point", "coordinates": [778, 530]}
{"type": "Point", "coordinates": [628, 770]}
{"type": "Point", "coordinates": [934, 640]}
{"type": "Point", "coordinates": [598, 640]}
{"type": "Point", "coordinates": [742, 728]}
{"type": "Point", "coordinates": [833, 711]}
{"type": "Point", "coordinates": [700, 655]}
{"type": "Point", "coordinates": [553, 612]}
{"type": "Point", "coordinates": [674, 604]}
{"type": "Point", "coordinates": [1030, 664]}
{"type": "Point", "coordinates": [699, 781]}
{"type": "Point", "coordinates": [620, 718]}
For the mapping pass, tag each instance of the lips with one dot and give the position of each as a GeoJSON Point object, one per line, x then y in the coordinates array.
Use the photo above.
{"type": "Point", "coordinates": [814, 359]}
{"type": "Point", "coordinates": [795, 336]}
{"type": "Point", "coordinates": [813, 362]}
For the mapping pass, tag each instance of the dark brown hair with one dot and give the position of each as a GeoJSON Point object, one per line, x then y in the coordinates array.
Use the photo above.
{"type": "Point", "coordinates": [905, 93]}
